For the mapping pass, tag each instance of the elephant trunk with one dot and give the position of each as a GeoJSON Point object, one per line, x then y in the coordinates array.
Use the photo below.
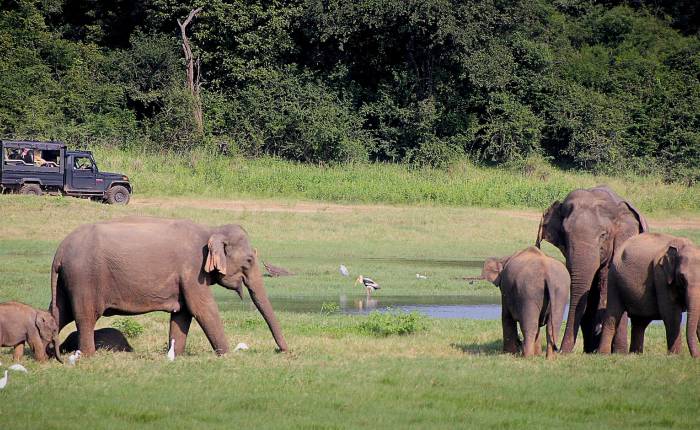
{"type": "Point", "coordinates": [582, 274]}
{"type": "Point", "coordinates": [692, 329]}
{"type": "Point", "coordinates": [258, 295]}
{"type": "Point", "coordinates": [56, 351]}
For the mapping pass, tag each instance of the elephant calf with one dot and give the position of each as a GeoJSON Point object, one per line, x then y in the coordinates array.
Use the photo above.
{"type": "Point", "coordinates": [655, 276]}
{"type": "Point", "coordinates": [108, 338]}
{"type": "Point", "coordinates": [534, 292]}
{"type": "Point", "coordinates": [20, 323]}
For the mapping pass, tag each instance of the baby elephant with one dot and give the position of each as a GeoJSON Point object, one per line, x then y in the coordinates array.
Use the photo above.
{"type": "Point", "coordinates": [654, 276]}
{"type": "Point", "coordinates": [534, 292]}
{"type": "Point", "coordinates": [108, 338]}
{"type": "Point", "coordinates": [20, 323]}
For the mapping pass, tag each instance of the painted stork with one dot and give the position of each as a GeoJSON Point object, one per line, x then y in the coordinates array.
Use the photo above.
{"type": "Point", "coordinates": [369, 284]}
{"type": "Point", "coordinates": [171, 351]}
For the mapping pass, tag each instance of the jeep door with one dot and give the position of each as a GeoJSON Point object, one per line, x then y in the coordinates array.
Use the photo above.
{"type": "Point", "coordinates": [84, 172]}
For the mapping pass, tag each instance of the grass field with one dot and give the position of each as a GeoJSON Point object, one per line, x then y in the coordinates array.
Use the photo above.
{"type": "Point", "coordinates": [534, 184]}
{"type": "Point", "coordinates": [448, 375]}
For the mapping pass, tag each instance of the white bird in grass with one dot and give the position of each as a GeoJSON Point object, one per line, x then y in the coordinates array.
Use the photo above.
{"type": "Point", "coordinates": [419, 276]}
{"type": "Point", "coordinates": [18, 368]}
{"type": "Point", "coordinates": [369, 284]}
{"type": "Point", "coordinates": [171, 351]}
{"type": "Point", "coordinates": [74, 357]}
{"type": "Point", "coordinates": [3, 381]}
{"type": "Point", "coordinates": [344, 270]}
{"type": "Point", "coordinates": [241, 346]}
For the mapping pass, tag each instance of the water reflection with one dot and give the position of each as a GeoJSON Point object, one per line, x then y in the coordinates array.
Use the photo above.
{"type": "Point", "coordinates": [475, 307]}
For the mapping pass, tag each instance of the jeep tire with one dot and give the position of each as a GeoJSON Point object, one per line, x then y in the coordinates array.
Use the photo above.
{"type": "Point", "coordinates": [117, 195]}
{"type": "Point", "coordinates": [31, 190]}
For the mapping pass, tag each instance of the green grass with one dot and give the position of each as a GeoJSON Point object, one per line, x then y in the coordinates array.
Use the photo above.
{"type": "Point", "coordinates": [463, 184]}
{"type": "Point", "coordinates": [338, 374]}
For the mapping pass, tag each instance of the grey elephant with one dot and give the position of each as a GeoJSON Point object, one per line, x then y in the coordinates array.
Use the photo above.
{"type": "Point", "coordinates": [534, 291]}
{"type": "Point", "coordinates": [140, 264]}
{"type": "Point", "coordinates": [20, 324]}
{"type": "Point", "coordinates": [107, 338]}
{"type": "Point", "coordinates": [655, 276]}
{"type": "Point", "coordinates": [588, 227]}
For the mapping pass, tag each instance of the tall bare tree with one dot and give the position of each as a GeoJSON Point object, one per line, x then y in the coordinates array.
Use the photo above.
{"type": "Point", "coordinates": [193, 70]}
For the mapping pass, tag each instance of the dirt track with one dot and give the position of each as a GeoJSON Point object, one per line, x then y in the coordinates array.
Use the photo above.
{"type": "Point", "coordinates": [675, 223]}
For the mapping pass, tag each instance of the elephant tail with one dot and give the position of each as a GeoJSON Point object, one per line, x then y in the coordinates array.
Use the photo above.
{"type": "Point", "coordinates": [551, 316]}
{"type": "Point", "coordinates": [55, 268]}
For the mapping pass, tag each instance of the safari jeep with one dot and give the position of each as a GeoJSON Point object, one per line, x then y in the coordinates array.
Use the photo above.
{"type": "Point", "coordinates": [49, 167]}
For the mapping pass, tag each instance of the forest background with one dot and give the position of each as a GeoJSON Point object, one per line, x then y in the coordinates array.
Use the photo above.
{"type": "Point", "coordinates": [602, 86]}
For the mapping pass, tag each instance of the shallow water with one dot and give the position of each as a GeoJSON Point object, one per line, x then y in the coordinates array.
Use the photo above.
{"type": "Point", "coordinates": [474, 307]}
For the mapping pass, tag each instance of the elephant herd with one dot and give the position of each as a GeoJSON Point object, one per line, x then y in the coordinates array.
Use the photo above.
{"type": "Point", "coordinates": [614, 268]}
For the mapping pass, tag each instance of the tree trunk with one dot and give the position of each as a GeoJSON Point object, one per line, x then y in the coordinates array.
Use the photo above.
{"type": "Point", "coordinates": [193, 70]}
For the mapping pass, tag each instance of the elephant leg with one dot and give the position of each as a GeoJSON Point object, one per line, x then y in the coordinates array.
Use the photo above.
{"type": "Point", "coordinates": [639, 326]}
{"type": "Point", "coordinates": [510, 333]}
{"type": "Point", "coordinates": [18, 352]}
{"type": "Point", "coordinates": [620, 340]}
{"type": "Point", "coordinates": [538, 344]}
{"type": "Point", "coordinates": [86, 335]}
{"type": "Point", "coordinates": [531, 329]}
{"type": "Point", "coordinates": [591, 340]}
{"type": "Point", "coordinates": [38, 348]}
{"type": "Point", "coordinates": [179, 327]}
{"type": "Point", "coordinates": [203, 308]}
{"type": "Point", "coordinates": [672, 321]}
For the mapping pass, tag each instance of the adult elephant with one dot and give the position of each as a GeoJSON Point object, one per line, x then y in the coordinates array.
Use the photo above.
{"type": "Point", "coordinates": [588, 227]}
{"type": "Point", "coordinates": [139, 265]}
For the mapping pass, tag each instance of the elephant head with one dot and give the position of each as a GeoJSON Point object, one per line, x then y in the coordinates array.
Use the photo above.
{"type": "Point", "coordinates": [48, 331]}
{"type": "Point", "coordinates": [233, 263]}
{"type": "Point", "coordinates": [587, 227]}
{"type": "Point", "coordinates": [493, 266]}
{"type": "Point", "coordinates": [679, 268]}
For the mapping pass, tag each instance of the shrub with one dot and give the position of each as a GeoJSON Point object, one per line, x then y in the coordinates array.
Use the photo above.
{"type": "Point", "coordinates": [393, 323]}
{"type": "Point", "coordinates": [328, 308]}
{"type": "Point", "coordinates": [130, 327]}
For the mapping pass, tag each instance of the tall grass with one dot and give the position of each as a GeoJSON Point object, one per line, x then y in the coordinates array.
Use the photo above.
{"type": "Point", "coordinates": [462, 184]}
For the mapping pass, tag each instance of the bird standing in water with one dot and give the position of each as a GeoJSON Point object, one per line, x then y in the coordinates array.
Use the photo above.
{"type": "Point", "coordinates": [369, 284]}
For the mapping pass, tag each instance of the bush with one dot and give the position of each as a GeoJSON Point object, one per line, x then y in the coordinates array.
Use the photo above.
{"type": "Point", "coordinates": [393, 323]}
{"type": "Point", "coordinates": [130, 327]}
{"type": "Point", "coordinates": [328, 308]}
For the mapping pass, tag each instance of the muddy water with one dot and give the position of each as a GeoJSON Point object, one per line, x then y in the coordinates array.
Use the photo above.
{"type": "Point", "coordinates": [484, 308]}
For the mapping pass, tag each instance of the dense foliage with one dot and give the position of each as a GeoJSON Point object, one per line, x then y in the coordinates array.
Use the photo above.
{"type": "Point", "coordinates": [599, 85]}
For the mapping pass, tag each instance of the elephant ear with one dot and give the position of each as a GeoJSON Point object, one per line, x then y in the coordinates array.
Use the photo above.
{"type": "Point", "coordinates": [669, 263]}
{"type": "Point", "coordinates": [46, 325]}
{"type": "Point", "coordinates": [551, 228]}
{"type": "Point", "coordinates": [643, 226]}
{"type": "Point", "coordinates": [493, 266]}
{"type": "Point", "coordinates": [216, 257]}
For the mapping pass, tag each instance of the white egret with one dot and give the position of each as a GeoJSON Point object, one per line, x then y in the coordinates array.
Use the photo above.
{"type": "Point", "coordinates": [171, 351]}
{"type": "Point", "coordinates": [369, 284]}
{"type": "Point", "coordinates": [241, 346]}
{"type": "Point", "coordinates": [3, 381]}
{"type": "Point", "coordinates": [344, 270]}
{"type": "Point", "coordinates": [74, 357]}
{"type": "Point", "coordinates": [18, 368]}
{"type": "Point", "coordinates": [419, 276]}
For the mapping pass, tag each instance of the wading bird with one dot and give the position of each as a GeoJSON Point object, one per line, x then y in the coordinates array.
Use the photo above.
{"type": "Point", "coordinates": [369, 284]}
{"type": "Point", "coordinates": [241, 346]}
{"type": "Point", "coordinates": [74, 357]}
{"type": "Point", "coordinates": [171, 351]}
{"type": "Point", "coordinates": [18, 368]}
{"type": "Point", "coordinates": [3, 381]}
{"type": "Point", "coordinates": [419, 276]}
{"type": "Point", "coordinates": [344, 270]}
